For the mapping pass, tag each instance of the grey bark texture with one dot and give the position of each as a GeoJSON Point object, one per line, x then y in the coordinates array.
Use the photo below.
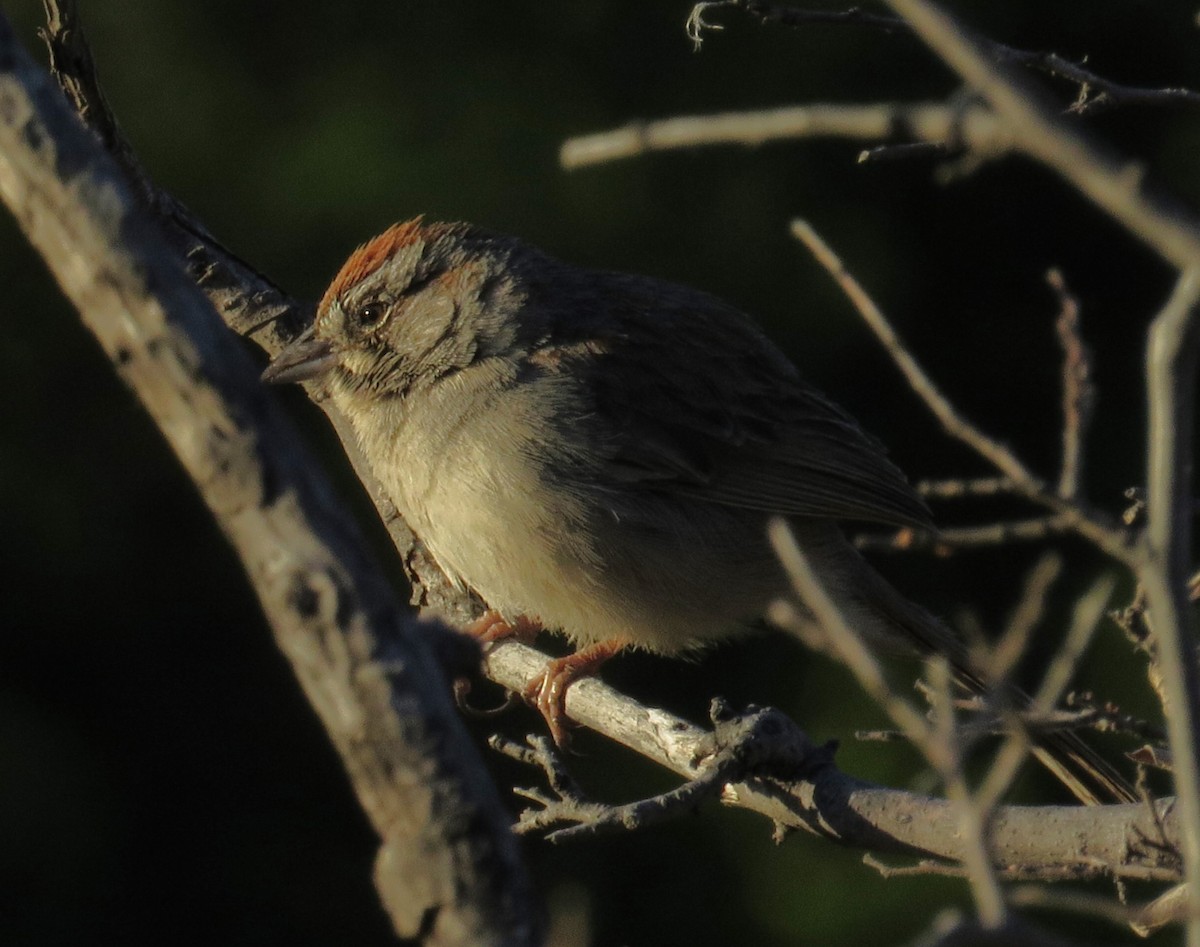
{"type": "Point", "coordinates": [449, 871]}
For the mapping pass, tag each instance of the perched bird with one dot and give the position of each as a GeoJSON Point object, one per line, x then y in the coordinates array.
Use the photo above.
{"type": "Point", "coordinates": [597, 453]}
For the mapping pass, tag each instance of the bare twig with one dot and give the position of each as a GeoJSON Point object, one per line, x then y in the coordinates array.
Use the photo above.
{"type": "Point", "coordinates": [1171, 361]}
{"type": "Point", "coordinates": [1013, 752]}
{"type": "Point", "coordinates": [1107, 717]}
{"type": "Point", "coordinates": [949, 929]}
{"type": "Point", "coordinates": [1089, 611]}
{"type": "Point", "coordinates": [937, 740]}
{"type": "Point", "coordinates": [760, 742]}
{"type": "Point", "coordinates": [585, 817]}
{"type": "Point", "coordinates": [786, 15]}
{"type": "Point", "coordinates": [951, 420]}
{"type": "Point", "coordinates": [72, 64]}
{"type": "Point", "coordinates": [970, 126]}
{"type": "Point", "coordinates": [1145, 919]}
{"type": "Point", "coordinates": [909, 151]}
{"type": "Point", "coordinates": [838, 638]}
{"type": "Point", "coordinates": [1095, 93]}
{"type": "Point", "coordinates": [1048, 842]}
{"type": "Point", "coordinates": [1113, 186]}
{"type": "Point", "coordinates": [964, 488]}
{"type": "Point", "coordinates": [974, 812]}
{"type": "Point", "coordinates": [1157, 757]}
{"type": "Point", "coordinates": [945, 541]}
{"type": "Point", "coordinates": [1078, 714]}
{"type": "Point", "coordinates": [1079, 395]}
{"type": "Point", "coordinates": [1031, 608]}
{"type": "Point", "coordinates": [365, 668]}
{"type": "Point", "coordinates": [1170, 907]}
{"type": "Point", "coordinates": [1087, 524]}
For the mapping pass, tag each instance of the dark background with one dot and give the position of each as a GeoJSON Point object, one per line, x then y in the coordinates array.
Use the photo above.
{"type": "Point", "coordinates": [161, 779]}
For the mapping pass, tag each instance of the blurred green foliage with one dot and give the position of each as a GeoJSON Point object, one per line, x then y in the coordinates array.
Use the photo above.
{"type": "Point", "coordinates": [161, 779]}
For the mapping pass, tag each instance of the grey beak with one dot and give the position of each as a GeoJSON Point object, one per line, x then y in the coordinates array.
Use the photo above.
{"type": "Point", "coordinates": [303, 359]}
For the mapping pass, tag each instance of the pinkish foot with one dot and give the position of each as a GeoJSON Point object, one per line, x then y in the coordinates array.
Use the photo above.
{"type": "Point", "coordinates": [489, 627]}
{"type": "Point", "coordinates": [492, 626]}
{"type": "Point", "coordinates": [548, 692]}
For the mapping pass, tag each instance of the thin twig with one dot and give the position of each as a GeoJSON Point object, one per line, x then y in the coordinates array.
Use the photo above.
{"type": "Point", "coordinates": [908, 151]}
{"type": "Point", "coordinates": [970, 126]}
{"type": "Point", "coordinates": [938, 741]}
{"type": "Point", "coordinates": [1107, 717]}
{"type": "Point", "coordinates": [1095, 93]}
{"type": "Point", "coordinates": [1112, 185]}
{"type": "Point", "coordinates": [72, 64]}
{"type": "Point", "coordinates": [1108, 538]}
{"type": "Point", "coordinates": [1079, 714]}
{"type": "Point", "coordinates": [974, 812]}
{"type": "Point", "coordinates": [585, 817]}
{"type": "Point", "coordinates": [952, 538]}
{"type": "Point", "coordinates": [1089, 611]}
{"type": "Point", "coordinates": [837, 637]}
{"type": "Point", "coordinates": [757, 742]}
{"type": "Point", "coordinates": [1171, 361]}
{"type": "Point", "coordinates": [1145, 919]}
{"type": "Point", "coordinates": [1031, 608]}
{"type": "Point", "coordinates": [786, 15]}
{"type": "Point", "coordinates": [956, 489]}
{"type": "Point", "coordinates": [951, 420]}
{"type": "Point", "coordinates": [1079, 395]}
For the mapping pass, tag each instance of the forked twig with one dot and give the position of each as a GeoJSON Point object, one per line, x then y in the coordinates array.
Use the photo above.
{"type": "Point", "coordinates": [918, 379]}
{"type": "Point", "coordinates": [1095, 93]}
{"type": "Point", "coordinates": [1088, 524]}
{"type": "Point", "coordinates": [938, 741]}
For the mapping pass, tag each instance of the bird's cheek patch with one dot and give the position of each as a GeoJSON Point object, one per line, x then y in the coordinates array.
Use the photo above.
{"type": "Point", "coordinates": [426, 321]}
{"type": "Point", "coordinates": [358, 362]}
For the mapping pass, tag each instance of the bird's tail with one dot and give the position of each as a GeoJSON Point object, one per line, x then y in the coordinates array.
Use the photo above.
{"type": "Point", "coordinates": [875, 609]}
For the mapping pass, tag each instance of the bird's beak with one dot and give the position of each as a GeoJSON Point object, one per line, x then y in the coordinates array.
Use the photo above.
{"type": "Point", "coordinates": [303, 359]}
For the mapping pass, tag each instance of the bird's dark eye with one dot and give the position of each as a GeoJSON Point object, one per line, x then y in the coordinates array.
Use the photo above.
{"type": "Point", "coordinates": [370, 315]}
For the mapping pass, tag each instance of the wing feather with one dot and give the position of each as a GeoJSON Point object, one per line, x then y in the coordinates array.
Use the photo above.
{"type": "Point", "coordinates": [726, 419]}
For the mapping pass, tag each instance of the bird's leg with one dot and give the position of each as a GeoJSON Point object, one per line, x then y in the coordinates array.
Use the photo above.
{"type": "Point", "coordinates": [488, 627]}
{"type": "Point", "coordinates": [492, 626]}
{"type": "Point", "coordinates": [548, 692]}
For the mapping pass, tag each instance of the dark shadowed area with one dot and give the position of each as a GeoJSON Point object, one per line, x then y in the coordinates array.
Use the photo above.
{"type": "Point", "coordinates": [162, 779]}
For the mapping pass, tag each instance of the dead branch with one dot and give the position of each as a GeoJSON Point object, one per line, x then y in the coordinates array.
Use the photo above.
{"type": "Point", "coordinates": [1079, 395]}
{"type": "Point", "coordinates": [967, 125]}
{"type": "Point", "coordinates": [1113, 185]}
{"type": "Point", "coordinates": [1043, 842]}
{"type": "Point", "coordinates": [945, 541]}
{"type": "Point", "coordinates": [1171, 378]}
{"type": "Point", "coordinates": [332, 611]}
{"type": "Point", "coordinates": [1087, 523]}
{"type": "Point", "coordinates": [1094, 92]}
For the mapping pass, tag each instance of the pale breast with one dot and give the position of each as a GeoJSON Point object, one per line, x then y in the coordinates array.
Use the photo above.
{"type": "Point", "coordinates": [482, 472]}
{"type": "Point", "coordinates": [465, 465]}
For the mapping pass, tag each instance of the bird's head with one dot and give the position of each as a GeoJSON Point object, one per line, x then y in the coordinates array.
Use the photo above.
{"type": "Point", "coordinates": [416, 303]}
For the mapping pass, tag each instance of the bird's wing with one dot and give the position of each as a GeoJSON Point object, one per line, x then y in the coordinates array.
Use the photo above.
{"type": "Point", "coordinates": [725, 418]}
